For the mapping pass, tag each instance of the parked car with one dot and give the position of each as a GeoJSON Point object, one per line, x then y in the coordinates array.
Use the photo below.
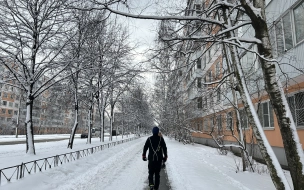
{"type": "Point", "coordinates": [84, 135]}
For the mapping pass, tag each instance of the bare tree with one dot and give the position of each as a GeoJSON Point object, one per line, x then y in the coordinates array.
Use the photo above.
{"type": "Point", "coordinates": [32, 39]}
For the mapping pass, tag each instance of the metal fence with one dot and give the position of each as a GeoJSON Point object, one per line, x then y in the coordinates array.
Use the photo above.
{"type": "Point", "coordinates": [17, 172]}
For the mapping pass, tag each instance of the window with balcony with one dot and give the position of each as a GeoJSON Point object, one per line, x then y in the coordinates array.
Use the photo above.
{"type": "Point", "coordinates": [288, 31]}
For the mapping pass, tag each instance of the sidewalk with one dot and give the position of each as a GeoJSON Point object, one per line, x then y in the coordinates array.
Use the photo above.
{"type": "Point", "coordinates": [164, 183]}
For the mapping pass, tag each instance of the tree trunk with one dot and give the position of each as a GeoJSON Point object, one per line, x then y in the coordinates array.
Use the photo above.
{"type": "Point", "coordinates": [293, 148]}
{"type": "Point", "coordinates": [101, 114]}
{"type": "Point", "coordinates": [89, 126]}
{"type": "Point", "coordinates": [273, 164]}
{"type": "Point", "coordinates": [239, 129]}
{"type": "Point", "coordinates": [30, 147]}
{"type": "Point", "coordinates": [73, 131]}
{"type": "Point", "coordinates": [111, 121]}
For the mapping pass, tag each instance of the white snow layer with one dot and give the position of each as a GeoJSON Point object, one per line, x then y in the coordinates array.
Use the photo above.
{"type": "Point", "coordinates": [189, 167]}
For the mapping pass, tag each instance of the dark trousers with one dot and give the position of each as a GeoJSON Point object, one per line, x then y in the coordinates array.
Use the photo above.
{"type": "Point", "coordinates": [154, 169]}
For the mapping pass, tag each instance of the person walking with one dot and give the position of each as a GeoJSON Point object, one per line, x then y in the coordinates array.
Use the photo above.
{"type": "Point", "coordinates": [157, 153]}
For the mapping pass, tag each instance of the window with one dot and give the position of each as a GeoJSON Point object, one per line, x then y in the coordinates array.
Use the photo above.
{"type": "Point", "coordinates": [282, 32]}
{"type": "Point", "coordinates": [210, 76]}
{"type": "Point", "coordinates": [12, 96]}
{"type": "Point", "coordinates": [205, 81]}
{"type": "Point", "coordinates": [10, 112]}
{"type": "Point", "coordinates": [211, 122]}
{"type": "Point", "coordinates": [206, 103]}
{"type": "Point", "coordinates": [15, 112]}
{"type": "Point", "coordinates": [296, 104]}
{"type": "Point", "coordinates": [279, 37]}
{"type": "Point", "coordinates": [3, 111]}
{"type": "Point", "coordinates": [287, 31]}
{"type": "Point", "coordinates": [266, 114]}
{"type": "Point", "coordinates": [199, 82]}
{"type": "Point", "coordinates": [209, 55]}
{"type": "Point", "coordinates": [299, 21]}
{"type": "Point", "coordinates": [204, 62]}
{"type": "Point", "coordinates": [244, 119]}
{"type": "Point", "coordinates": [10, 104]}
{"type": "Point", "coordinates": [218, 69]}
{"type": "Point", "coordinates": [205, 124]}
{"type": "Point", "coordinates": [199, 103]}
{"type": "Point", "coordinates": [198, 9]}
{"type": "Point", "coordinates": [219, 123]}
{"type": "Point", "coordinates": [198, 126]}
{"type": "Point", "coordinates": [16, 105]}
{"type": "Point", "coordinates": [4, 95]}
{"type": "Point", "coordinates": [4, 103]}
{"type": "Point", "coordinates": [229, 121]}
{"type": "Point", "coordinates": [199, 63]}
{"type": "Point", "coordinates": [211, 100]}
{"type": "Point", "coordinates": [218, 95]}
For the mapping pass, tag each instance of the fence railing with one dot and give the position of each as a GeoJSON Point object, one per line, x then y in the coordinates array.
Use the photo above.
{"type": "Point", "coordinates": [17, 172]}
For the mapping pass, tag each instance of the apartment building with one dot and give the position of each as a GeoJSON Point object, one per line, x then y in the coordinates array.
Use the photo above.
{"type": "Point", "coordinates": [211, 104]}
{"type": "Point", "coordinates": [9, 105]}
{"type": "Point", "coordinates": [50, 115]}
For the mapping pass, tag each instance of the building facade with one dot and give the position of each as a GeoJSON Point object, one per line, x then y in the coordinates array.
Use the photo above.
{"type": "Point", "coordinates": [210, 103]}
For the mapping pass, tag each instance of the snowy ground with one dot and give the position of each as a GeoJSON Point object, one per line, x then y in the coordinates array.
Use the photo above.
{"type": "Point", "coordinates": [189, 167]}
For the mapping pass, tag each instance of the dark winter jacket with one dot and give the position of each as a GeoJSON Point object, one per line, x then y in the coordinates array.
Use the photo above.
{"type": "Point", "coordinates": [157, 147]}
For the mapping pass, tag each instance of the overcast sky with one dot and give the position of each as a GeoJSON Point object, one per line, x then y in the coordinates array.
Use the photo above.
{"type": "Point", "coordinates": [144, 32]}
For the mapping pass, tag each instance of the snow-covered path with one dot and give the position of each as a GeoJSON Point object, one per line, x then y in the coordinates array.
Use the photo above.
{"type": "Point", "coordinates": [118, 167]}
{"type": "Point", "coordinates": [196, 166]}
{"type": "Point", "coordinates": [189, 167]}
